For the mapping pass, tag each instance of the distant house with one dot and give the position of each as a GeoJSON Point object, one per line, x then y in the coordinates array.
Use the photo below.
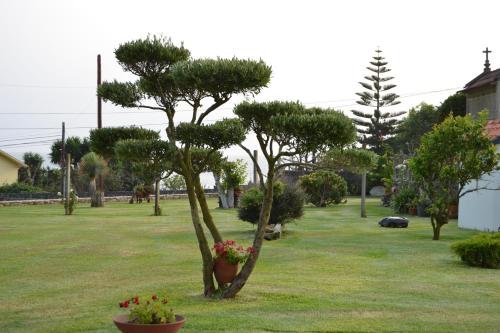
{"type": "Point", "coordinates": [9, 166]}
{"type": "Point", "coordinates": [480, 210]}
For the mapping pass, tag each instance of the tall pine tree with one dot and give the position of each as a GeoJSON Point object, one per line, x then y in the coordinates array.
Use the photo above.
{"type": "Point", "coordinates": [376, 126]}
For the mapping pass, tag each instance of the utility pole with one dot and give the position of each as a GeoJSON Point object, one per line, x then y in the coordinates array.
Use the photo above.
{"type": "Point", "coordinates": [363, 191]}
{"type": "Point", "coordinates": [99, 125]}
{"type": "Point", "coordinates": [99, 99]}
{"type": "Point", "coordinates": [68, 182]}
{"type": "Point", "coordinates": [63, 162]}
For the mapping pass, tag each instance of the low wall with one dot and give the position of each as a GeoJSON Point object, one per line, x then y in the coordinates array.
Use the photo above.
{"type": "Point", "coordinates": [87, 200]}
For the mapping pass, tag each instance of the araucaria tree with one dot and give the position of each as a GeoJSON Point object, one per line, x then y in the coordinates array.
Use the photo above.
{"type": "Point", "coordinates": [454, 153]}
{"type": "Point", "coordinates": [376, 125]}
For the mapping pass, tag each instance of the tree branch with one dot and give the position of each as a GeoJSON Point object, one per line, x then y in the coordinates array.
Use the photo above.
{"type": "Point", "coordinates": [255, 163]}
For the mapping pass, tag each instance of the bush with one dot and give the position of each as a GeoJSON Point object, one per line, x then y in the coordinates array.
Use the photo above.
{"type": "Point", "coordinates": [288, 204]}
{"type": "Point", "coordinates": [482, 250]}
{"type": "Point", "coordinates": [402, 199]}
{"type": "Point", "coordinates": [324, 188]}
{"type": "Point", "coordinates": [19, 188]}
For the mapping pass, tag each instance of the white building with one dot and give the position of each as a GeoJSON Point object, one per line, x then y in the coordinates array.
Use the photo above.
{"type": "Point", "coordinates": [480, 210]}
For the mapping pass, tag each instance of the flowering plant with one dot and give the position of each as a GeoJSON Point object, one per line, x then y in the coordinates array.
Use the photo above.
{"type": "Point", "coordinates": [231, 252]}
{"type": "Point", "coordinates": [154, 310]}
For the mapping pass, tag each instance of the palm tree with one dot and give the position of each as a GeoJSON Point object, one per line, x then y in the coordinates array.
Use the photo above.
{"type": "Point", "coordinates": [93, 165]}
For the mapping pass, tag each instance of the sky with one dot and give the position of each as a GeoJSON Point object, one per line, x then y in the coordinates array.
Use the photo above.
{"type": "Point", "coordinates": [318, 51]}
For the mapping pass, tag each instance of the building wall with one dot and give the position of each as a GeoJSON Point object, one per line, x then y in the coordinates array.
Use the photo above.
{"type": "Point", "coordinates": [8, 171]}
{"type": "Point", "coordinates": [484, 99]}
{"type": "Point", "coordinates": [481, 210]}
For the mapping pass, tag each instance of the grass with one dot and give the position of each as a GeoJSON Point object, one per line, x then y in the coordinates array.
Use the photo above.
{"type": "Point", "coordinates": [334, 272]}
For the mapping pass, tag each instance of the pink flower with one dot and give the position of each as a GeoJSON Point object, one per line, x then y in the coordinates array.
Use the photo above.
{"type": "Point", "coordinates": [250, 249]}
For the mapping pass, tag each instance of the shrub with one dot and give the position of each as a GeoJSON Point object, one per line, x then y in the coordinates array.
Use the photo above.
{"type": "Point", "coordinates": [323, 188]}
{"type": "Point", "coordinates": [402, 199]}
{"type": "Point", "coordinates": [288, 204]}
{"type": "Point", "coordinates": [19, 188]}
{"type": "Point", "coordinates": [482, 250]}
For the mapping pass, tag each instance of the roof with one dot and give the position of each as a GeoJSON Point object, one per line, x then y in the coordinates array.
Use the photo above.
{"type": "Point", "coordinates": [493, 130]}
{"type": "Point", "coordinates": [487, 78]}
{"type": "Point", "coordinates": [11, 158]}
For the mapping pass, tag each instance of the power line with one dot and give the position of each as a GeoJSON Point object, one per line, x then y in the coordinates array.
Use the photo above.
{"type": "Point", "coordinates": [28, 138]}
{"type": "Point", "coordinates": [29, 143]}
{"type": "Point", "coordinates": [225, 108]}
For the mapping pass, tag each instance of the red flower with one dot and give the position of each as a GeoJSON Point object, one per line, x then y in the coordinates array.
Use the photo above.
{"type": "Point", "coordinates": [125, 304]}
{"type": "Point", "coordinates": [250, 249]}
{"type": "Point", "coordinates": [230, 242]}
{"type": "Point", "coordinates": [154, 297]}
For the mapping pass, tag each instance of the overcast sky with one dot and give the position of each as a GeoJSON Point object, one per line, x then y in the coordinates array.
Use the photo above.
{"type": "Point", "coordinates": [318, 51]}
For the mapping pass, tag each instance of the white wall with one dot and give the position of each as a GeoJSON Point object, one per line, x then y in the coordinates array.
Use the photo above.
{"type": "Point", "coordinates": [481, 210]}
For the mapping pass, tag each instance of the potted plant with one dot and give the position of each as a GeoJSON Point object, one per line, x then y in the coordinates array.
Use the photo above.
{"type": "Point", "coordinates": [148, 315]}
{"type": "Point", "coordinates": [412, 206]}
{"type": "Point", "coordinates": [227, 257]}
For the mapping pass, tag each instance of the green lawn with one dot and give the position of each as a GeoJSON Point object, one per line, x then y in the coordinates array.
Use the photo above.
{"type": "Point", "coordinates": [334, 272]}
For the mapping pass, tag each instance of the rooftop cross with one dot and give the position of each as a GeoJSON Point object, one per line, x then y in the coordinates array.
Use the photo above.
{"type": "Point", "coordinates": [487, 62]}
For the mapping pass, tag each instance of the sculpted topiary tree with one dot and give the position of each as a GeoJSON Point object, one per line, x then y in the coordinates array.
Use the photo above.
{"type": "Point", "coordinates": [454, 153]}
{"type": "Point", "coordinates": [151, 159]}
{"type": "Point", "coordinates": [285, 129]}
{"type": "Point", "coordinates": [168, 76]}
{"type": "Point", "coordinates": [103, 141]}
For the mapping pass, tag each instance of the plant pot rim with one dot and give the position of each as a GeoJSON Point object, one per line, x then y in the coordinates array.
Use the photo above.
{"type": "Point", "coordinates": [123, 319]}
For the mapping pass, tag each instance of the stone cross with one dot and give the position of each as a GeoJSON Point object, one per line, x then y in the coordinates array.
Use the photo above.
{"type": "Point", "coordinates": [487, 62]}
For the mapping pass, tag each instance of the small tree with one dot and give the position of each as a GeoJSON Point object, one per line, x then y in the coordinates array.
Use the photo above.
{"type": "Point", "coordinates": [93, 165]}
{"type": "Point", "coordinates": [175, 182]}
{"type": "Point", "coordinates": [324, 188]}
{"type": "Point", "coordinates": [450, 156]}
{"type": "Point", "coordinates": [74, 145]}
{"type": "Point", "coordinates": [34, 162]}
{"type": "Point", "coordinates": [152, 159]}
{"type": "Point", "coordinates": [454, 104]}
{"type": "Point", "coordinates": [375, 126]}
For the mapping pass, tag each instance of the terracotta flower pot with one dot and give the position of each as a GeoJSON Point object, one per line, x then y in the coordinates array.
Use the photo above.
{"type": "Point", "coordinates": [123, 325]}
{"type": "Point", "coordinates": [453, 211]}
{"type": "Point", "coordinates": [224, 272]}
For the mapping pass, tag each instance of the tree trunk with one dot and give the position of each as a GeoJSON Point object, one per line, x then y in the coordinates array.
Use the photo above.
{"type": "Point", "coordinates": [206, 254]}
{"type": "Point", "coordinates": [363, 194]}
{"type": "Point", "coordinates": [230, 197]}
{"type": "Point", "coordinates": [220, 191]}
{"type": "Point", "coordinates": [265, 213]}
{"type": "Point", "coordinates": [207, 217]}
{"type": "Point", "coordinates": [93, 193]}
{"type": "Point", "coordinates": [157, 198]}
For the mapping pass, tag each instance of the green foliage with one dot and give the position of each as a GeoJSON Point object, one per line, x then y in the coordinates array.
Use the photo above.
{"type": "Point", "coordinates": [323, 188]}
{"type": "Point", "coordinates": [74, 145]}
{"type": "Point", "coordinates": [71, 203]}
{"type": "Point", "coordinates": [450, 156]}
{"type": "Point", "coordinates": [34, 162]}
{"type": "Point", "coordinates": [149, 310]}
{"type": "Point", "coordinates": [376, 126]}
{"type": "Point", "coordinates": [175, 183]}
{"type": "Point", "coordinates": [288, 204]}
{"type": "Point", "coordinates": [403, 199]}
{"type": "Point", "coordinates": [454, 104]}
{"type": "Point", "coordinates": [150, 159]}
{"type": "Point", "coordinates": [211, 77]}
{"type": "Point", "coordinates": [482, 250]}
{"type": "Point", "coordinates": [219, 135]}
{"type": "Point", "coordinates": [126, 94]}
{"type": "Point", "coordinates": [19, 188]}
{"type": "Point", "coordinates": [352, 160]}
{"type": "Point", "coordinates": [103, 140]}
{"type": "Point", "coordinates": [296, 128]}
{"type": "Point", "coordinates": [233, 174]}
{"type": "Point", "coordinates": [92, 165]}
{"type": "Point", "coordinates": [420, 120]}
